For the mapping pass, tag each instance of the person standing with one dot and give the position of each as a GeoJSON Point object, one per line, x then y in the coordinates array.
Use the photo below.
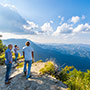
{"type": "Point", "coordinates": [28, 54]}
{"type": "Point", "coordinates": [16, 53]}
{"type": "Point", "coordinates": [8, 62]}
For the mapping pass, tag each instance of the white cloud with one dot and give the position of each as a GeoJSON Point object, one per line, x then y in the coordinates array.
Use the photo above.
{"type": "Point", "coordinates": [64, 29]}
{"type": "Point", "coordinates": [82, 28]}
{"type": "Point", "coordinates": [62, 19]}
{"type": "Point", "coordinates": [68, 29]}
{"type": "Point", "coordinates": [46, 27]}
{"type": "Point", "coordinates": [8, 5]}
{"type": "Point", "coordinates": [14, 28]}
{"type": "Point", "coordinates": [83, 17]}
{"type": "Point", "coordinates": [30, 26]}
{"type": "Point", "coordinates": [75, 19]}
{"type": "Point", "coordinates": [11, 35]}
{"type": "Point", "coordinates": [51, 22]}
{"type": "Point", "coordinates": [10, 19]}
{"type": "Point", "coordinates": [12, 22]}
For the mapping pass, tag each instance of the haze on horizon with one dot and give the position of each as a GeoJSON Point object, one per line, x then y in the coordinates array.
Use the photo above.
{"type": "Point", "coordinates": [46, 21]}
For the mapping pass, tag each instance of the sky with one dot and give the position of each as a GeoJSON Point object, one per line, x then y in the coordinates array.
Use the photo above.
{"type": "Point", "coordinates": [46, 21]}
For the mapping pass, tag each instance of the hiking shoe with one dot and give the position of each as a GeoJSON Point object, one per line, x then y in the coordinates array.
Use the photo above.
{"type": "Point", "coordinates": [7, 82]}
{"type": "Point", "coordinates": [28, 77]}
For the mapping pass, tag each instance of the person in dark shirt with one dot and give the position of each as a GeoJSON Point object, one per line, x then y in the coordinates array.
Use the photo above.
{"type": "Point", "coordinates": [16, 53]}
{"type": "Point", "coordinates": [8, 62]}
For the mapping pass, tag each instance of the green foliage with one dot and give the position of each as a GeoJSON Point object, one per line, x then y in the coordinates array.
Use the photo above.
{"type": "Point", "coordinates": [49, 68]}
{"type": "Point", "coordinates": [76, 80]}
{"type": "Point", "coordinates": [20, 57]}
{"type": "Point", "coordinates": [20, 65]}
{"type": "Point", "coordinates": [2, 59]}
{"type": "Point", "coordinates": [63, 74]}
{"type": "Point", "coordinates": [2, 54]}
{"type": "Point", "coordinates": [39, 61]}
{"type": "Point", "coordinates": [2, 47]}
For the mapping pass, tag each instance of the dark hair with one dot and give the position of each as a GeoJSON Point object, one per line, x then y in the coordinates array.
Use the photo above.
{"type": "Point", "coordinates": [15, 45]}
{"type": "Point", "coordinates": [27, 43]}
{"type": "Point", "coordinates": [10, 45]}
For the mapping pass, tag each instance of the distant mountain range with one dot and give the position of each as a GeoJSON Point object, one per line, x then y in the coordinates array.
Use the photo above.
{"type": "Point", "coordinates": [81, 50]}
{"type": "Point", "coordinates": [77, 55]}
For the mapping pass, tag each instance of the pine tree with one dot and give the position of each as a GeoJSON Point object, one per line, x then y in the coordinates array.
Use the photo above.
{"type": "Point", "coordinates": [2, 47]}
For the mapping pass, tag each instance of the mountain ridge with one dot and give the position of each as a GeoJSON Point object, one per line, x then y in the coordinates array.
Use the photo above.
{"type": "Point", "coordinates": [67, 56]}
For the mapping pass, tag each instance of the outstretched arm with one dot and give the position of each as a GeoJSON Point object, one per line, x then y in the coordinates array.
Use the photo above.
{"type": "Point", "coordinates": [33, 56]}
{"type": "Point", "coordinates": [17, 48]}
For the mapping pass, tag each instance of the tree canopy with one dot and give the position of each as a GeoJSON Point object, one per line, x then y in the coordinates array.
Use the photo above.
{"type": "Point", "coordinates": [2, 47]}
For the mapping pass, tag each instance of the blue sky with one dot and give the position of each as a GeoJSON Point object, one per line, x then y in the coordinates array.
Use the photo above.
{"type": "Point", "coordinates": [50, 9]}
{"type": "Point", "coordinates": [47, 21]}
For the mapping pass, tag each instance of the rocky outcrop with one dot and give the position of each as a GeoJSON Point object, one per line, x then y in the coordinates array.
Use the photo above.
{"type": "Point", "coordinates": [36, 82]}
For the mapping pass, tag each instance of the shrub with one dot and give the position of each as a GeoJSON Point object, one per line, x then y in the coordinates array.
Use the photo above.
{"type": "Point", "coordinates": [76, 80]}
{"type": "Point", "coordinates": [20, 57]}
{"type": "Point", "coordinates": [49, 68]}
{"type": "Point", "coordinates": [2, 47]}
{"type": "Point", "coordinates": [63, 75]}
{"type": "Point", "coordinates": [2, 59]}
{"type": "Point", "coordinates": [39, 61]}
{"type": "Point", "coordinates": [20, 65]}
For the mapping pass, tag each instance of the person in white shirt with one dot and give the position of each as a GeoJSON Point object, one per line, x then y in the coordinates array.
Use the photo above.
{"type": "Point", "coordinates": [28, 54]}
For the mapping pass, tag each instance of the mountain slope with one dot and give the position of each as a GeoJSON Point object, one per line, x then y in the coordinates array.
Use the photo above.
{"type": "Point", "coordinates": [62, 56]}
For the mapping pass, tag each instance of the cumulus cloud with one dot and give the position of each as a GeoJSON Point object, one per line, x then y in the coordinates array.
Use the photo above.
{"type": "Point", "coordinates": [46, 27]}
{"type": "Point", "coordinates": [9, 6]}
{"type": "Point", "coordinates": [62, 19]}
{"type": "Point", "coordinates": [82, 28]}
{"type": "Point", "coordinates": [13, 22]}
{"type": "Point", "coordinates": [75, 19]}
{"type": "Point", "coordinates": [10, 20]}
{"type": "Point", "coordinates": [63, 29]}
{"type": "Point", "coordinates": [51, 22]}
{"type": "Point", "coordinates": [30, 26]}
{"type": "Point", "coordinates": [68, 29]}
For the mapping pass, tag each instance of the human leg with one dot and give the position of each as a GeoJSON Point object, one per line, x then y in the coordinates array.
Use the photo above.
{"type": "Point", "coordinates": [8, 70]}
{"type": "Point", "coordinates": [29, 68]}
